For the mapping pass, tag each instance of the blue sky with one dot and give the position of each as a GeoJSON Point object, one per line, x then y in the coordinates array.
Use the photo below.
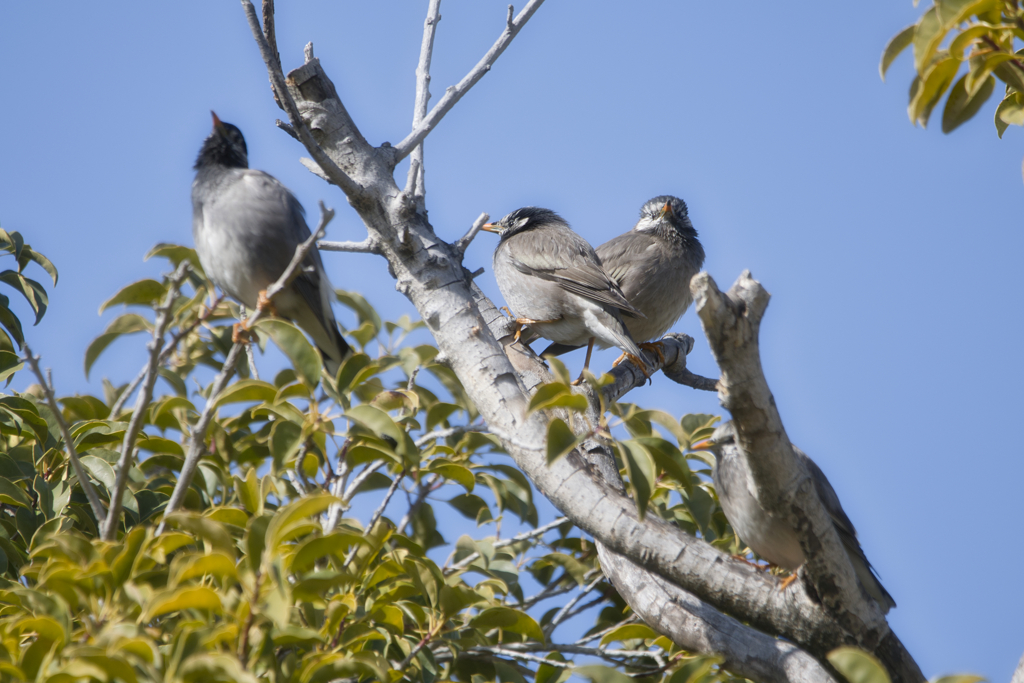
{"type": "Point", "coordinates": [891, 342]}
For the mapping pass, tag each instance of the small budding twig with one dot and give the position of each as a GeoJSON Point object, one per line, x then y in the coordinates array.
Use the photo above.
{"type": "Point", "coordinates": [65, 432]}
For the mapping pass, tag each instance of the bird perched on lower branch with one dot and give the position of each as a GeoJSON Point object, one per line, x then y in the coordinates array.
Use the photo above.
{"type": "Point", "coordinates": [653, 264]}
{"type": "Point", "coordinates": [553, 281]}
{"type": "Point", "coordinates": [247, 226]}
{"type": "Point", "coordinates": [773, 538]}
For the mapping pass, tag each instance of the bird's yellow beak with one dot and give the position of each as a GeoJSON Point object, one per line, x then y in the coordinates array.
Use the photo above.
{"type": "Point", "coordinates": [490, 227]}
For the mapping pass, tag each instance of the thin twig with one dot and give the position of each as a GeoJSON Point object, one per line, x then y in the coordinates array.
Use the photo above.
{"type": "Point", "coordinates": [594, 636]}
{"type": "Point", "coordinates": [164, 355]}
{"type": "Point", "coordinates": [424, 489]}
{"type": "Point", "coordinates": [377, 514]}
{"type": "Point", "coordinates": [65, 432]}
{"type": "Point", "coordinates": [108, 530]}
{"type": "Point", "coordinates": [519, 650]}
{"type": "Point", "coordinates": [440, 434]}
{"type": "Point", "coordinates": [414, 185]}
{"type": "Point", "coordinates": [454, 93]}
{"type": "Point", "coordinates": [338, 485]}
{"type": "Point", "coordinates": [460, 246]}
{"type": "Point", "coordinates": [197, 442]}
{"type": "Point", "coordinates": [566, 610]}
{"type": "Point", "coordinates": [269, 32]}
{"type": "Point", "coordinates": [539, 531]}
{"type": "Point", "coordinates": [337, 176]}
{"type": "Point", "coordinates": [367, 246]}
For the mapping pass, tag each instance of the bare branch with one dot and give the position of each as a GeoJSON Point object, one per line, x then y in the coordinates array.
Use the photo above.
{"type": "Point", "coordinates": [459, 248]}
{"type": "Point", "coordinates": [69, 443]}
{"type": "Point", "coordinates": [197, 442]}
{"type": "Point", "coordinates": [358, 481]}
{"type": "Point", "coordinates": [269, 33]}
{"type": "Point", "coordinates": [526, 535]}
{"type": "Point", "coordinates": [164, 355]}
{"type": "Point", "coordinates": [414, 185]}
{"type": "Point", "coordinates": [108, 530]}
{"type": "Point", "coordinates": [333, 171]}
{"type": "Point", "coordinates": [454, 93]}
{"type": "Point", "coordinates": [674, 349]}
{"type": "Point", "coordinates": [566, 610]}
{"type": "Point", "coordinates": [1018, 674]}
{"type": "Point", "coordinates": [367, 246]}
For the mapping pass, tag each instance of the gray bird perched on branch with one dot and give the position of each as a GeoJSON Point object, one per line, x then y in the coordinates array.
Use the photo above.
{"type": "Point", "coordinates": [773, 538]}
{"type": "Point", "coordinates": [653, 264]}
{"type": "Point", "coordinates": [247, 226]}
{"type": "Point", "coordinates": [553, 281]}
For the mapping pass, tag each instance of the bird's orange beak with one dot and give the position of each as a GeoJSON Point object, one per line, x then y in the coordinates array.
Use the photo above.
{"type": "Point", "coordinates": [490, 227]}
{"type": "Point", "coordinates": [218, 125]}
{"type": "Point", "coordinates": [704, 445]}
{"type": "Point", "coordinates": [665, 210]}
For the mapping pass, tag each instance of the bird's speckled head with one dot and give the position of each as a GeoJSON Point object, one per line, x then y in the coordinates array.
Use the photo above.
{"type": "Point", "coordinates": [224, 147]}
{"type": "Point", "coordinates": [526, 218]}
{"type": "Point", "coordinates": [665, 212]}
{"type": "Point", "coordinates": [724, 435]}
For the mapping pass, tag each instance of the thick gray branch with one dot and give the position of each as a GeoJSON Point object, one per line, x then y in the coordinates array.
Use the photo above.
{"type": "Point", "coordinates": [731, 323]}
{"type": "Point", "coordinates": [454, 93]}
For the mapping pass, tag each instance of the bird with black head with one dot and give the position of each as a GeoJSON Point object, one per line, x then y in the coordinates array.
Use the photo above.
{"type": "Point", "coordinates": [247, 226]}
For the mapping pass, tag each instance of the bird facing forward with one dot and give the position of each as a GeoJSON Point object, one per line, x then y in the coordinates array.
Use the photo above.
{"type": "Point", "coordinates": [246, 226]}
{"type": "Point", "coordinates": [653, 264]}
{"type": "Point", "coordinates": [553, 281]}
{"type": "Point", "coordinates": [773, 538]}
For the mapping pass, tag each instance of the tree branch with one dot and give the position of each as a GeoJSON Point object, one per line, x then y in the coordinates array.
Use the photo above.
{"type": "Point", "coordinates": [414, 185]}
{"type": "Point", "coordinates": [65, 432]}
{"type": "Point", "coordinates": [108, 529]}
{"type": "Point", "coordinates": [284, 97]}
{"type": "Point", "coordinates": [197, 442]}
{"type": "Point", "coordinates": [731, 323]}
{"type": "Point", "coordinates": [526, 535]}
{"type": "Point", "coordinates": [367, 246]}
{"type": "Point", "coordinates": [460, 246]}
{"type": "Point", "coordinates": [454, 93]}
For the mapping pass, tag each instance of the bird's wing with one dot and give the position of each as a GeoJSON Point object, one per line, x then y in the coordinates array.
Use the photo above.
{"type": "Point", "coordinates": [619, 254]}
{"type": "Point", "coordinates": [565, 258]}
{"type": "Point", "coordinates": [276, 216]}
{"type": "Point", "coordinates": [828, 496]}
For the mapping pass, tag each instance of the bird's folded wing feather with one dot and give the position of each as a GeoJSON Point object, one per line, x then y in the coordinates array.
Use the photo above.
{"type": "Point", "coordinates": [574, 267]}
{"type": "Point", "coordinates": [280, 219]}
{"type": "Point", "coordinates": [619, 255]}
{"type": "Point", "coordinates": [828, 497]}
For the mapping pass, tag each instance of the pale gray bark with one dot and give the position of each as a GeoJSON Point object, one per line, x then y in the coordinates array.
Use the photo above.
{"type": "Point", "coordinates": [467, 328]}
{"type": "Point", "coordinates": [1018, 674]}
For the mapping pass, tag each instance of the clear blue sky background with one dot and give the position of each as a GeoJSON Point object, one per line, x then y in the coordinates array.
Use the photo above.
{"type": "Point", "coordinates": [892, 340]}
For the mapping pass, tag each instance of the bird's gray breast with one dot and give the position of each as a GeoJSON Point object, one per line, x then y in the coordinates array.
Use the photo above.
{"type": "Point", "coordinates": [246, 226]}
{"type": "Point", "coordinates": [771, 538]}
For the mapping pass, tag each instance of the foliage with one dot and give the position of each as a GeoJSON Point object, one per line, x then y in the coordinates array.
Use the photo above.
{"type": "Point", "coordinates": [11, 332]}
{"type": "Point", "coordinates": [283, 564]}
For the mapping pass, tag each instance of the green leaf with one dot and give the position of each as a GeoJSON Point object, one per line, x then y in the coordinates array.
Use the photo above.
{"type": "Point", "coordinates": [187, 567]}
{"type": "Point", "coordinates": [296, 513]}
{"type": "Point", "coordinates": [176, 254]}
{"type": "Point", "coordinates": [508, 619]}
{"type": "Point", "coordinates": [561, 440]}
{"type": "Point", "coordinates": [933, 84]}
{"type": "Point", "coordinates": [460, 474]}
{"type": "Point", "coordinates": [967, 37]}
{"type": "Point", "coordinates": [30, 289]}
{"type": "Point", "coordinates": [44, 262]}
{"type": "Point", "coordinates": [125, 324]}
{"type": "Point", "coordinates": [335, 544]}
{"type": "Point", "coordinates": [296, 347]}
{"type": "Point", "coordinates": [1010, 112]}
{"type": "Point", "coordinates": [381, 424]}
{"type": "Point", "coordinates": [11, 322]}
{"type": "Point", "coordinates": [898, 44]}
{"type": "Point", "coordinates": [601, 674]}
{"type": "Point", "coordinates": [142, 293]}
{"type": "Point", "coordinates": [100, 470]}
{"type": "Point", "coordinates": [959, 678]}
{"type": "Point", "coordinates": [629, 632]}
{"type": "Point", "coordinates": [362, 308]}
{"type": "Point", "coordinates": [640, 469]}
{"type": "Point", "coordinates": [175, 600]}
{"type": "Point", "coordinates": [557, 395]}
{"type": "Point", "coordinates": [12, 494]}
{"type": "Point", "coordinates": [928, 33]}
{"type": "Point", "coordinates": [981, 68]}
{"type": "Point", "coordinates": [10, 363]}
{"type": "Point", "coordinates": [952, 12]}
{"type": "Point", "coordinates": [858, 666]}
{"type": "Point", "coordinates": [246, 390]}
{"type": "Point", "coordinates": [212, 532]}
{"type": "Point", "coordinates": [961, 107]}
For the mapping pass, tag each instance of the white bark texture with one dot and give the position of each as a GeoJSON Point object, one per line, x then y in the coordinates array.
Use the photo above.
{"type": "Point", "coordinates": [696, 582]}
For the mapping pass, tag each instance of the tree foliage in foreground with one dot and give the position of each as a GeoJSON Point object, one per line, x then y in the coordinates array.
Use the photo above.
{"type": "Point", "coordinates": [984, 35]}
{"type": "Point", "coordinates": [264, 575]}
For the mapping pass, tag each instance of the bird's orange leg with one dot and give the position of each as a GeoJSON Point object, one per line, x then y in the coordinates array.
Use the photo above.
{"type": "Point", "coordinates": [520, 322]}
{"type": "Point", "coordinates": [586, 363]}
{"type": "Point", "coordinates": [638, 362]}
{"type": "Point", "coordinates": [655, 348]}
{"type": "Point", "coordinates": [263, 303]}
{"type": "Point", "coordinates": [787, 582]}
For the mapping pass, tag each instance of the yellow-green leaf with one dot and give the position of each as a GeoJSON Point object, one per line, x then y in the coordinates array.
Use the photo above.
{"type": "Point", "coordinates": [191, 566]}
{"type": "Point", "coordinates": [335, 544]}
{"type": "Point", "coordinates": [898, 44]}
{"type": "Point", "coordinates": [961, 106]}
{"type": "Point", "coordinates": [453, 472]}
{"type": "Point", "coordinates": [561, 440]}
{"type": "Point", "coordinates": [933, 84]}
{"type": "Point", "coordinates": [246, 390]}
{"type": "Point", "coordinates": [13, 495]}
{"type": "Point", "coordinates": [143, 292]}
{"type": "Point", "coordinates": [557, 395]}
{"type": "Point", "coordinates": [640, 469]}
{"type": "Point", "coordinates": [508, 619]}
{"type": "Point", "coordinates": [1010, 112]}
{"type": "Point", "coordinates": [629, 632]}
{"type": "Point", "coordinates": [125, 324]}
{"type": "Point", "coordinates": [297, 512]}
{"type": "Point", "coordinates": [175, 600]}
{"type": "Point", "coordinates": [858, 666]}
{"type": "Point", "coordinates": [293, 343]}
